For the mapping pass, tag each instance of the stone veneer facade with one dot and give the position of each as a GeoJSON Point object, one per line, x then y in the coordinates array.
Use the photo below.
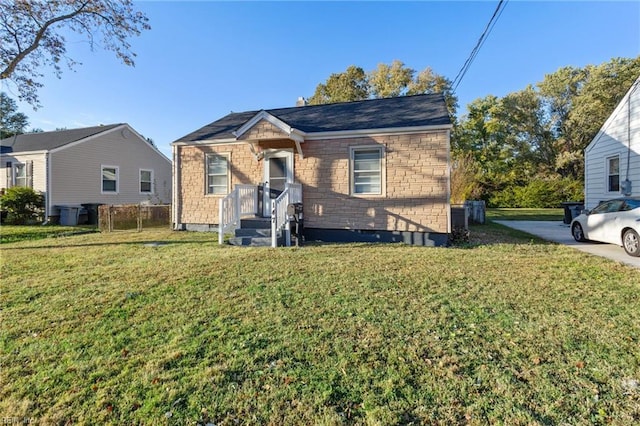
{"type": "Point", "coordinates": [415, 184]}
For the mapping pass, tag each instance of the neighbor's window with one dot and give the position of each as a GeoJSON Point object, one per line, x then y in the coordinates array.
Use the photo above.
{"type": "Point", "coordinates": [109, 179]}
{"type": "Point", "coordinates": [20, 175]}
{"type": "Point", "coordinates": [366, 170]}
{"type": "Point", "coordinates": [146, 181]}
{"type": "Point", "coordinates": [613, 172]}
{"type": "Point", "coordinates": [217, 174]}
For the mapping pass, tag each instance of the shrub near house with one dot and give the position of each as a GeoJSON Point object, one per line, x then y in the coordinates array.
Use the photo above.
{"type": "Point", "coordinates": [21, 206]}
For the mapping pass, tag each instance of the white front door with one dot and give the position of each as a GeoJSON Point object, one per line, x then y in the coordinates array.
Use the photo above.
{"type": "Point", "coordinates": [278, 170]}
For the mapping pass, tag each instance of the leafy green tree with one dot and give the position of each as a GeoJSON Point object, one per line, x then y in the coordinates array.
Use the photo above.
{"type": "Point", "coordinates": [527, 131]}
{"type": "Point", "coordinates": [578, 101]}
{"type": "Point", "coordinates": [351, 85]}
{"type": "Point", "coordinates": [12, 122]}
{"type": "Point", "coordinates": [23, 205]}
{"type": "Point", "coordinates": [389, 81]}
{"type": "Point", "coordinates": [539, 192]}
{"type": "Point", "coordinates": [482, 134]}
{"type": "Point", "coordinates": [528, 145]}
{"type": "Point", "coordinates": [32, 36]}
{"type": "Point", "coordinates": [385, 81]}
{"type": "Point", "coordinates": [427, 81]}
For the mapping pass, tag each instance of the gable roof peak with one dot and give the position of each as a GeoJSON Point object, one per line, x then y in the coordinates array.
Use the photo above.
{"type": "Point", "coordinates": [46, 141]}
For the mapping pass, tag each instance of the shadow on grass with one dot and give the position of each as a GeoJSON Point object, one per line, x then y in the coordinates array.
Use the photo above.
{"type": "Point", "coordinates": [147, 243]}
{"type": "Point", "coordinates": [480, 235]}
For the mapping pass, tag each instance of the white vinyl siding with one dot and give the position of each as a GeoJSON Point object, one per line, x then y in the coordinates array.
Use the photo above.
{"type": "Point", "coordinates": [76, 177]}
{"type": "Point", "coordinates": [18, 173]}
{"type": "Point", "coordinates": [110, 179]}
{"type": "Point", "coordinates": [366, 170]}
{"type": "Point", "coordinates": [146, 181]}
{"type": "Point", "coordinates": [34, 167]}
{"type": "Point", "coordinates": [217, 174]}
{"type": "Point", "coordinates": [619, 138]}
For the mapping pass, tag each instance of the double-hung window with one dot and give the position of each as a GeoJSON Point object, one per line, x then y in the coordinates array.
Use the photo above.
{"type": "Point", "coordinates": [20, 175]}
{"type": "Point", "coordinates": [146, 181]}
{"type": "Point", "coordinates": [367, 171]}
{"type": "Point", "coordinates": [217, 174]}
{"type": "Point", "coordinates": [109, 179]}
{"type": "Point", "coordinates": [613, 174]}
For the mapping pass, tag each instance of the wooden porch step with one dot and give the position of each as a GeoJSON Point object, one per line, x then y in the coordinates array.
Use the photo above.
{"type": "Point", "coordinates": [253, 241]}
{"type": "Point", "coordinates": [254, 232]}
{"type": "Point", "coordinates": [255, 223]}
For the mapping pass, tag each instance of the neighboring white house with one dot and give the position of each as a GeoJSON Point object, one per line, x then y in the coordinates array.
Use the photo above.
{"type": "Point", "coordinates": [612, 159]}
{"type": "Point", "coordinates": [110, 164]}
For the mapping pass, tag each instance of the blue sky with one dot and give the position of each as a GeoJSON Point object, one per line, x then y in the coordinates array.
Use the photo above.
{"type": "Point", "coordinates": [203, 59]}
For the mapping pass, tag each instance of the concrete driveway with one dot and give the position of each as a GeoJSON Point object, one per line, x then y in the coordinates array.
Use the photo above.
{"type": "Point", "coordinates": [560, 233]}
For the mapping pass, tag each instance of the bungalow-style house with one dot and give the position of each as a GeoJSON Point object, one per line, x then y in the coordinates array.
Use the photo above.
{"type": "Point", "coordinates": [372, 170]}
{"type": "Point", "coordinates": [612, 159]}
{"type": "Point", "coordinates": [109, 164]}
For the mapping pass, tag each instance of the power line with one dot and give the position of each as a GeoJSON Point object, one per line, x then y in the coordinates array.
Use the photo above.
{"type": "Point", "coordinates": [472, 56]}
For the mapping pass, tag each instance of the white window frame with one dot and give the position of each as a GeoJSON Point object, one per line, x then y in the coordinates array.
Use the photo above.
{"type": "Point", "coordinates": [151, 185]}
{"type": "Point", "coordinates": [117, 169]}
{"type": "Point", "coordinates": [352, 172]}
{"type": "Point", "coordinates": [15, 177]}
{"type": "Point", "coordinates": [609, 175]}
{"type": "Point", "coordinates": [227, 157]}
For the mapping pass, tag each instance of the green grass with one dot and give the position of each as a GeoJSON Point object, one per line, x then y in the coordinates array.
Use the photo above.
{"type": "Point", "coordinates": [12, 234]}
{"type": "Point", "coordinates": [105, 329]}
{"type": "Point", "coordinates": [525, 214]}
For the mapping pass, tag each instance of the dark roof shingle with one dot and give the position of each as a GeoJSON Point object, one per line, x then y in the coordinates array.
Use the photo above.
{"type": "Point", "coordinates": [46, 141]}
{"type": "Point", "coordinates": [399, 112]}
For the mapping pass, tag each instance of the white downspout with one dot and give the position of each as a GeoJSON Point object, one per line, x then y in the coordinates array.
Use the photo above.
{"type": "Point", "coordinates": [174, 187]}
{"type": "Point", "coordinates": [448, 174]}
{"type": "Point", "coordinates": [47, 187]}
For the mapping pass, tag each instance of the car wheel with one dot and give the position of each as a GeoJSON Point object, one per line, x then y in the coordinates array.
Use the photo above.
{"type": "Point", "coordinates": [578, 234]}
{"type": "Point", "coordinates": [631, 242]}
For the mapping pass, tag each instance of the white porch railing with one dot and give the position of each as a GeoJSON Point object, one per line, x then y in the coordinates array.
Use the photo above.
{"type": "Point", "coordinates": [279, 219]}
{"type": "Point", "coordinates": [242, 201]}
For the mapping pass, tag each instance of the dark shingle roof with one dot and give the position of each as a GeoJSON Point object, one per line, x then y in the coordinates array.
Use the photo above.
{"type": "Point", "coordinates": [403, 111]}
{"type": "Point", "coordinates": [46, 141]}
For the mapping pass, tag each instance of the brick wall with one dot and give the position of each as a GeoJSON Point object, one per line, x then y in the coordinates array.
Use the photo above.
{"type": "Point", "coordinates": [417, 184]}
{"type": "Point", "coordinates": [196, 206]}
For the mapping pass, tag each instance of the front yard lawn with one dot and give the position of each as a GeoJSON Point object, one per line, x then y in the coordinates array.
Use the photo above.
{"type": "Point", "coordinates": [164, 327]}
{"type": "Point", "coordinates": [12, 234]}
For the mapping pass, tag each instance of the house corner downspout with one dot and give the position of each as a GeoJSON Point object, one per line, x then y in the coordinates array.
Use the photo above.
{"type": "Point", "coordinates": [629, 131]}
{"type": "Point", "coordinates": [175, 188]}
{"type": "Point", "coordinates": [626, 184]}
{"type": "Point", "coordinates": [47, 187]}
{"type": "Point", "coordinates": [448, 172]}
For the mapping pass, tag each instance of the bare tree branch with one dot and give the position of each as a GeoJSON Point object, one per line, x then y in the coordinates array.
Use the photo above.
{"type": "Point", "coordinates": [30, 40]}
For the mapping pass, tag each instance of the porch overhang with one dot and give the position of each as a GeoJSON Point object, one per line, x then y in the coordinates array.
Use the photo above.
{"type": "Point", "coordinates": [258, 155]}
{"type": "Point", "coordinates": [297, 136]}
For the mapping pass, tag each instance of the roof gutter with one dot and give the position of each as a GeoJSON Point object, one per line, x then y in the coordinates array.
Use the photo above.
{"type": "Point", "coordinates": [17, 153]}
{"type": "Point", "coordinates": [375, 132]}
{"type": "Point", "coordinates": [307, 136]}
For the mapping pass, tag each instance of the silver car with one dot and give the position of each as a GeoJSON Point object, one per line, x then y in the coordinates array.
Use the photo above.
{"type": "Point", "coordinates": [615, 222]}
